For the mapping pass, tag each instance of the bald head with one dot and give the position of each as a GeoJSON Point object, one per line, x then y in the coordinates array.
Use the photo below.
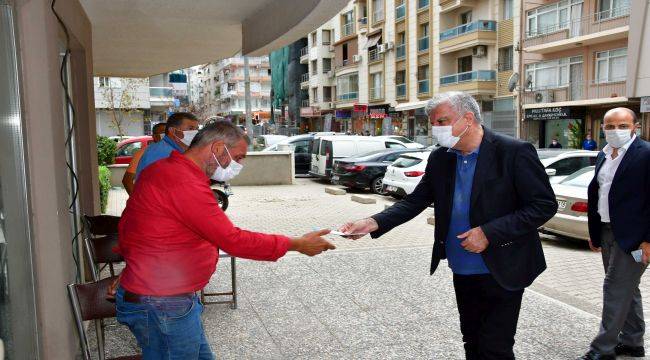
{"type": "Point", "coordinates": [622, 112]}
{"type": "Point", "coordinates": [620, 118]}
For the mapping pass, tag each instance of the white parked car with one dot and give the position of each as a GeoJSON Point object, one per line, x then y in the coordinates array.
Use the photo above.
{"type": "Point", "coordinates": [405, 173]}
{"type": "Point", "coordinates": [571, 194]}
{"type": "Point", "coordinates": [561, 163]}
{"type": "Point", "coordinates": [402, 140]}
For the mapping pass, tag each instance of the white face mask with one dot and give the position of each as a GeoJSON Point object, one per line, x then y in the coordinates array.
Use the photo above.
{"type": "Point", "coordinates": [226, 174]}
{"type": "Point", "coordinates": [444, 136]}
{"type": "Point", "coordinates": [188, 136]}
{"type": "Point", "coordinates": [616, 138]}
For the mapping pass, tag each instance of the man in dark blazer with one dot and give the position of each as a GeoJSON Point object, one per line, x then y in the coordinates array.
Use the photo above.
{"type": "Point", "coordinates": [619, 223]}
{"type": "Point", "coordinates": [490, 194]}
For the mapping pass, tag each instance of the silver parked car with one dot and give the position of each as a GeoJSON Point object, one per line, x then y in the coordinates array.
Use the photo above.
{"type": "Point", "coordinates": [571, 194]}
{"type": "Point", "coordinates": [560, 163]}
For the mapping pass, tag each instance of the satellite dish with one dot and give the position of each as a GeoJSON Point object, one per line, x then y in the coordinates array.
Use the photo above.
{"type": "Point", "coordinates": [512, 82]}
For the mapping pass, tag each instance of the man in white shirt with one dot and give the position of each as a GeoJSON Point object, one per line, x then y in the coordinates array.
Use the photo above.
{"type": "Point", "coordinates": [619, 223]}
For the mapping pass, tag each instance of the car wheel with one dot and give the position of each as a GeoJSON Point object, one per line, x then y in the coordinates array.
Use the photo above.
{"type": "Point", "coordinates": [377, 186]}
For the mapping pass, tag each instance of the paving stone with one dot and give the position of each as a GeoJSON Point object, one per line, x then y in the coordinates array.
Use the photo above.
{"type": "Point", "coordinates": [431, 220]}
{"type": "Point", "coordinates": [335, 191]}
{"type": "Point", "coordinates": [364, 199]}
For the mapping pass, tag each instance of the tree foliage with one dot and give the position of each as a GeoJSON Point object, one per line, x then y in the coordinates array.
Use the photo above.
{"type": "Point", "coordinates": [106, 149]}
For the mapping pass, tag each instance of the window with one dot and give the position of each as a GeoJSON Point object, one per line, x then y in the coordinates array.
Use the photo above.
{"type": "Point", "coordinates": [347, 87]}
{"type": "Point", "coordinates": [400, 83]}
{"type": "Point", "coordinates": [314, 67]}
{"type": "Point", "coordinates": [423, 79]}
{"type": "Point", "coordinates": [423, 4]}
{"type": "Point", "coordinates": [129, 149]}
{"type": "Point", "coordinates": [423, 40]}
{"type": "Point", "coordinates": [347, 27]}
{"type": "Point", "coordinates": [314, 95]}
{"type": "Point", "coordinates": [327, 65]}
{"type": "Point", "coordinates": [569, 165]}
{"type": "Point", "coordinates": [551, 18]}
{"type": "Point", "coordinates": [466, 18]}
{"type": "Point", "coordinates": [506, 9]}
{"type": "Point", "coordinates": [314, 40]}
{"type": "Point", "coordinates": [377, 10]}
{"type": "Point", "coordinates": [400, 49]}
{"type": "Point", "coordinates": [613, 8]}
{"type": "Point", "coordinates": [346, 58]}
{"type": "Point", "coordinates": [327, 93]}
{"type": "Point", "coordinates": [611, 66]}
{"type": "Point", "coordinates": [465, 64]}
{"type": "Point", "coordinates": [103, 81]}
{"type": "Point", "coordinates": [327, 37]}
{"type": "Point", "coordinates": [301, 147]}
{"type": "Point", "coordinates": [400, 9]}
{"type": "Point", "coordinates": [505, 58]}
{"type": "Point", "coordinates": [376, 87]}
{"type": "Point", "coordinates": [550, 74]}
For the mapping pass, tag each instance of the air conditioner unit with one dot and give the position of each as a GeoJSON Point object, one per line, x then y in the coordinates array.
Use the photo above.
{"type": "Point", "coordinates": [330, 74]}
{"type": "Point", "coordinates": [381, 48]}
{"type": "Point", "coordinates": [389, 45]}
{"type": "Point", "coordinates": [356, 58]}
{"type": "Point", "coordinates": [479, 51]}
{"type": "Point", "coordinates": [543, 97]}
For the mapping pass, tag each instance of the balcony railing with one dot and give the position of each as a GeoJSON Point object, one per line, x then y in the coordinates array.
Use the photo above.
{"type": "Point", "coordinates": [423, 43]}
{"type": "Point", "coordinates": [376, 93]}
{"type": "Point", "coordinates": [374, 55]}
{"type": "Point", "coordinates": [305, 103]}
{"type": "Point", "coordinates": [161, 92]}
{"type": "Point", "coordinates": [480, 25]}
{"type": "Point", "coordinates": [304, 77]}
{"type": "Point", "coordinates": [477, 75]}
{"type": "Point", "coordinates": [363, 21]}
{"type": "Point", "coordinates": [304, 51]}
{"type": "Point", "coordinates": [400, 90]}
{"type": "Point", "coordinates": [348, 96]}
{"type": "Point", "coordinates": [595, 89]}
{"type": "Point", "coordinates": [378, 15]}
{"type": "Point", "coordinates": [400, 51]}
{"type": "Point", "coordinates": [423, 4]}
{"type": "Point", "coordinates": [400, 12]}
{"type": "Point", "coordinates": [590, 24]}
{"type": "Point", "coordinates": [347, 30]}
{"type": "Point", "coordinates": [423, 86]}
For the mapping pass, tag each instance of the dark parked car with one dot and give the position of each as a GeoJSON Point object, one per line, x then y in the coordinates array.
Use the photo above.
{"type": "Point", "coordinates": [366, 170]}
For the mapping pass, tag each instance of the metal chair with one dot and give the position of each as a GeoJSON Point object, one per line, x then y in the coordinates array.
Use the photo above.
{"type": "Point", "coordinates": [99, 240]}
{"type": "Point", "coordinates": [89, 303]}
{"type": "Point", "coordinates": [233, 291]}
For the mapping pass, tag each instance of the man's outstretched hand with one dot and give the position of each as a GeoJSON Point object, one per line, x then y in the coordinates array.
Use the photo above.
{"type": "Point", "coordinates": [359, 228]}
{"type": "Point", "coordinates": [311, 243]}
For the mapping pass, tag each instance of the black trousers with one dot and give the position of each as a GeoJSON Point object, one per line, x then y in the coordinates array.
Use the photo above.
{"type": "Point", "coordinates": [488, 316]}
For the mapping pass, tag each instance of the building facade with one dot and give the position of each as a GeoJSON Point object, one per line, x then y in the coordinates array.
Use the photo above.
{"type": "Point", "coordinates": [574, 68]}
{"type": "Point", "coordinates": [374, 65]}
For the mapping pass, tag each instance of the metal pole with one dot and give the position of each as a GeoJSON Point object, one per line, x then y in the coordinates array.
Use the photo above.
{"type": "Point", "coordinates": [247, 99]}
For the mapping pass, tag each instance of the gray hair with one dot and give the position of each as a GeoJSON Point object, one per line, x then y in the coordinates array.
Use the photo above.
{"type": "Point", "coordinates": [219, 130]}
{"type": "Point", "coordinates": [459, 101]}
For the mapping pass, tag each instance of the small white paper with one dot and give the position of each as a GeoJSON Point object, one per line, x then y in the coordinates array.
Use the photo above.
{"type": "Point", "coordinates": [638, 255]}
{"type": "Point", "coordinates": [340, 233]}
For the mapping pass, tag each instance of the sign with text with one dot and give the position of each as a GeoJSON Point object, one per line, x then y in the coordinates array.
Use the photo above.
{"type": "Point", "coordinates": [645, 104]}
{"type": "Point", "coordinates": [555, 113]}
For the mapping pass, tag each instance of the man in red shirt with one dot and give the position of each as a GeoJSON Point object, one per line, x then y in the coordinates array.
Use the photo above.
{"type": "Point", "coordinates": [170, 235]}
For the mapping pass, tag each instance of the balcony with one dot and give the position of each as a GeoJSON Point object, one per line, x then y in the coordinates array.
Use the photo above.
{"type": "Point", "coordinates": [376, 94]}
{"type": "Point", "coordinates": [347, 30]}
{"type": "Point", "coordinates": [374, 55]}
{"type": "Point", "coordinates": [161, 92]}
{"type": "Point", "coordinates": [423, 4]}
{"type": "Point", "coordinates": [348, 96]}
{"type": "Point", "coordinates": [423, 44]}
{"type": "Point", "coordinates": [304, 80]}
{"type": "Point", "coordinates": [473, 82]}
{"type": "Point", "coordinates": [423, 87]}
{"type": "Point", "coordinates": [481, 32]}
{"type": "Point", "coordinates": [304, 55]}
{"type": "Point", "coordinates": [613, 24]}
{"type": "Point", "coordinates": [377, 16]}
{"type": "Point", "coordinates": [400, 91]}
{"type": "Point", "coordinates": [400, 12]}
{"type": "Point", "coordinates": [305, 103]}
{"type": "Point", "coordinates": [577, 93]}
{"type": "Point", "coordinates": [363, 23]}
{"type": "Point", "coordinates": [451, 5]}
{"type": "Point", "coordinates": [400, 51]}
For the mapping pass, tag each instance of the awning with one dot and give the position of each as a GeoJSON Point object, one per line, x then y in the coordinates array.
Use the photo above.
{"type": "Point", "coordinates": [410, 105]}
{"type": "Point", "coordinates": [372, 41]}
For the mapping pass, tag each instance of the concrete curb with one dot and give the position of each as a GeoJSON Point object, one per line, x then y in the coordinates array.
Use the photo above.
{"type": "Point", "coordinates": [364, 199]}
{"type": "Point", "coordinates": [431, 220]}
{"type": "Point", "coordinates": [335, 191]}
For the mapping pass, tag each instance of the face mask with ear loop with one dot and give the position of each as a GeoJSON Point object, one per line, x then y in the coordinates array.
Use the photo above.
{"type": "Point", "coordinates": [443, 135]}
{"type": "Point", "coordinates": [226, 174]}
{"type": "Point", "coordinates": [188, 136]}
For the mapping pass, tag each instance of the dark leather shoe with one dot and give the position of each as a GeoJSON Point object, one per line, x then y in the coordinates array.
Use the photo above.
{"type": "Point", "coordinates": [627, 350]}
{"type": "Point", "coordinates": [592, 355]}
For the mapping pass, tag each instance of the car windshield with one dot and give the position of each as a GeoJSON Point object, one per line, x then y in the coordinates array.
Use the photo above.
{"type": "Point", "coordinates": [401, 139]}
{"type": "Point", "coordinates": [406, 161]}
{"type": "Point", "coordinates": [580, 178]}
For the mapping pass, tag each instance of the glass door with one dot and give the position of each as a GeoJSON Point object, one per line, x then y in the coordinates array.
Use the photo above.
{"type": "Point", "coordinates": [17, 299]}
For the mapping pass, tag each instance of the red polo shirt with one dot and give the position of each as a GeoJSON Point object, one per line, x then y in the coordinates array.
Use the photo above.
{"type": "Point", "coordinates": [172, 229]}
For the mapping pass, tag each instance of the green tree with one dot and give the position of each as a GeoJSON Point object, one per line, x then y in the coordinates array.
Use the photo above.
{"type": "Point", "coordinates": [106, 149]}
{"type": "Point", "coordinates": [120, 99]}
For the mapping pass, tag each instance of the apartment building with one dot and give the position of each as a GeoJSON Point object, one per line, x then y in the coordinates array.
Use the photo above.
{"type": "Point", "coordinates": [573, 68]}
{"type": "Point", "coordinates": [218, 89]}
{"type": "Point", "coordinates": [388, 57]}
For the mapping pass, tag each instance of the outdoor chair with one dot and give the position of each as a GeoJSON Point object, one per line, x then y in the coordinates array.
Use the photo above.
{"type": "Point", "coordinates": [99, 240]}
{"type": "Point", "coordinates": [89, 303]}
{"type": "Point", "coordinates": [233, 291]}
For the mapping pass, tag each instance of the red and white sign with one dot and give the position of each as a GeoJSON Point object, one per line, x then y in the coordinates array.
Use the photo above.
{"type": "Point", "coordinates": [378, 113]}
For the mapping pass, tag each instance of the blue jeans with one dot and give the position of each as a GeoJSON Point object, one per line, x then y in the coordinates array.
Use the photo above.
{"type": "Point", "coordinates": [165, 327]}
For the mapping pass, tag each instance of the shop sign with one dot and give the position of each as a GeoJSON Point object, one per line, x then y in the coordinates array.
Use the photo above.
{"type": "Point", "coordinates": [377, 113]}
{"type": "Point", "coordinates": [309, 111]}
{"type": "Point", "coordinates": [361, 108]}
{"type": "Point", "coordinates": [555, 113]}
{"type": "Point", "coordinates": [645, 104]}
{"type": "Point", "coordinates": [343, 114]}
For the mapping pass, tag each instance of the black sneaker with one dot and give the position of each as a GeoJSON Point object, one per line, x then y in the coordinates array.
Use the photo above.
{"type": "Point", "coordinates": [592, 355]}
{"type": "Point", "coordinates": [627, 350]}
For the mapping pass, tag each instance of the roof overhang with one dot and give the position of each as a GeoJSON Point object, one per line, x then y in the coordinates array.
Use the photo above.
{"type": "Point", "coordinates": [140, 38]}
